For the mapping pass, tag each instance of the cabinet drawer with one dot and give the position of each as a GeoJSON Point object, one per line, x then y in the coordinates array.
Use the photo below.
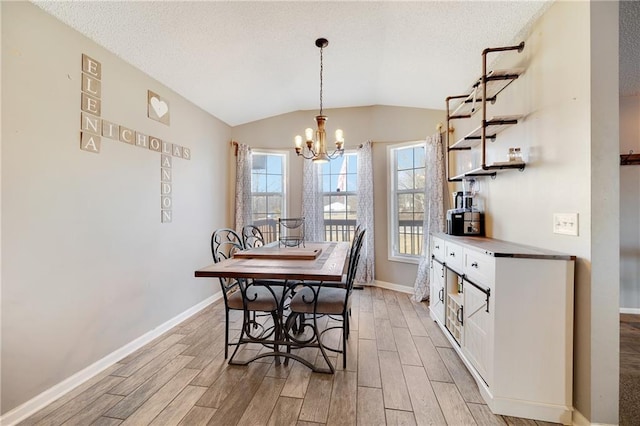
{"type": "Point", "coordinates": [453, 256]}
{"type": "Point", "coordinates": [437, 248]}
{"type": "Point", "coordinates": [479, 267]}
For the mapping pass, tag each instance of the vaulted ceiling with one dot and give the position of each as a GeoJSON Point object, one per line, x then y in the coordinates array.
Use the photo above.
{"type": "Point", "coordinates": [244, 61]}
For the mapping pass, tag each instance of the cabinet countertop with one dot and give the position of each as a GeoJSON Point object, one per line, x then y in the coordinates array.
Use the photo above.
{"type": "Point", "coordinates": [500, 248]}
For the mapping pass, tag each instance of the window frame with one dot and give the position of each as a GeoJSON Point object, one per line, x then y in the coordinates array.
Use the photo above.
{"type": "Point", "coordinates": [392, 204]}
{"type": "Point", "coordinates": [351, 153]}
{"type": "Point", "coordinates": [285, 176]}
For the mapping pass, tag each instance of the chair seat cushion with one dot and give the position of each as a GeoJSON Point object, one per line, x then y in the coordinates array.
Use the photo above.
{"type": "Point", "coordinates": [330, 301]}
{"type": "Point", "coordinates": [259, 298]}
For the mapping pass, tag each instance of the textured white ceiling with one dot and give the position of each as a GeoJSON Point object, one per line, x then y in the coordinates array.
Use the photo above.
{"type": "Point", "coordinates": [244, 61]}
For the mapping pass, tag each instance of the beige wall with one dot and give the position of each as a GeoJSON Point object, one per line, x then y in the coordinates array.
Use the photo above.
{"type": "Point", "coordinates": [569, 138]}
{"type": "Point", "coordinates": [87, 267]}
{"type": "Point", "coordinates": [380, 124]}
{"type": "Point", "coordinates": [630, 205]}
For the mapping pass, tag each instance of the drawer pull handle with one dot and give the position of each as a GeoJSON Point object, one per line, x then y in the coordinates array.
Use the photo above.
{"type": "Point", "coordinates": [441, 295]}
{"type": "Point", "coordinates": [452, 254]}
{"type": "Point", "coordinates": [460, 315]}
{"type": "Point", "coordinates": [474, 265]}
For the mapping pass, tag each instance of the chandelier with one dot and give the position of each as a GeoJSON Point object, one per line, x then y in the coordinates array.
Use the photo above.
{"type": "Point", "coordinates": [316, 150]}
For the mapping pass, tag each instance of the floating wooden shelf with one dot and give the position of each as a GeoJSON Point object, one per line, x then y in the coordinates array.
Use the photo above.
{"type": "Point", "coordinates": [490, 170]}
{"type": "Point", "coordinates": [497, 81]}
{"type": "Point", "coordinates": [494, 126]}
{"type": "Point", "coordinates": [629, 159]}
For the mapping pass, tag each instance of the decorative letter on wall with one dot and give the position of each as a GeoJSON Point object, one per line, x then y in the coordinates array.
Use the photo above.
{"type": "Point", "coordinates": [93, 128]}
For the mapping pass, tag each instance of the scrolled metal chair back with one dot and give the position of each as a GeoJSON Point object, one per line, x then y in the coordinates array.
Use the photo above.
{"type": "Point", "coordinates": [252, 237]}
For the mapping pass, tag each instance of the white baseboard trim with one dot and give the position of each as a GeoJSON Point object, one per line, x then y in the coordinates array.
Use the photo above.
{"type": "Point", "coordinates": [635, 311]}
{"type": "Point", "coordinates": [392, 286]}
{"type": "Point", "coordinates": [580, 420]}
{"type": "Point", "coordinates": [47, 397]}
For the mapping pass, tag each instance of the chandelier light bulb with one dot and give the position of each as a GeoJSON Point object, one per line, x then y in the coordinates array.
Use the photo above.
{"type": "Point", "coordinates": [339, 136]}
{"type": "Point", "coordinates": [308, 133]}
{"type": "Point", "coordinates": [298, 140]}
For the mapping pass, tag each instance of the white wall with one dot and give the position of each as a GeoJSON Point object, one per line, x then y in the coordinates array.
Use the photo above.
{"type": "Point", "coordinates": [569, 137]}
{"type": "Point", "coordinates": [381, 124]}
{"type": "Point", "coordinates": [87, 267]}
{"type": "Point", "coordinates": [630, 205]}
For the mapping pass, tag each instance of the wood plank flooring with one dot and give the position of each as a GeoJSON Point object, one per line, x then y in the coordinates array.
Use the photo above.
{"type": "Point", "coordinates": [401, 370]}
{"type": "Point", "coordinates": [629, 369]}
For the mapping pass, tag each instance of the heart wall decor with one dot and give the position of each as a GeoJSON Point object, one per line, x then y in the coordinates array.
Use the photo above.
{"type": "Point", "coordinates": [157, 108]}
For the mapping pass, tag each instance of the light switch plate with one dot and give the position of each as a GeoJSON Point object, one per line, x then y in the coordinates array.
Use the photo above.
{"type": "Point", "coordinates": [565, 223]}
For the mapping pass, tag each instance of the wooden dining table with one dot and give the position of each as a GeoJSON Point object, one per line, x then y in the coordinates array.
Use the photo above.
{"type": "Point", "coordinates": [282, 269]}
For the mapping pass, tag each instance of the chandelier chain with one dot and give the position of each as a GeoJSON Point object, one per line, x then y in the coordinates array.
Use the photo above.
{"type": "Point", "coordinates": [321, 68]}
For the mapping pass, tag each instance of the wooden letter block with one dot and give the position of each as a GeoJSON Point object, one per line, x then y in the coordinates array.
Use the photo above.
{"type": "Point", "coordinates": [186, 153]}
{"type": "Point", "coordinates": [165, 175]}
{"type": "Point", "coordinates": [127, 135]}
{"type": "Point", "coordinates": [157, 108]}
{"type": "Point", "coordinates": [165, 188]}
{"type": "Point", "coordinates": [90, 142]}
{"type": "Point", "coordinates": [166, 216]}
{"type": "Point", "coordinates": [91, 104]}
{"type": "Point", "coordinates": [166, 147]}
{"type": "Point", "coordinates": [110, 130]}
{"type": "Point", "coordinates": [91, 66]}
{"type": "Point", "coordinates": [177, 150]}
{"type": "Point", "coordinates": [141, 140]}
{"type": "Point", "coordinates": [91, 85]}
{"type": "Point", "coordinates": [91, 123]}
{"type": "Point", "coordinates": [165, 161]}
{"type": "Point", "coordinates": [155, 144]}
{"type": "Point", "coordinates": [165, 202]}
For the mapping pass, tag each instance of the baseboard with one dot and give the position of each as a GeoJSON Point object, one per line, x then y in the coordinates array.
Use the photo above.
{"type": "Point", "coordinates": [394, 287]}
{"type": "Point", "coordinates": [635, 311]}
{"type": "Point", "coordinates": [47, 397]}
{"type": "Point", "coordinates": [580, 420]}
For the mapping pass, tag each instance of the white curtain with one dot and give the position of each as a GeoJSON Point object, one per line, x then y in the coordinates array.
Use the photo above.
{"type": "Point", "coordinates": [243, 186]}
{"type": "Point", "coordinates": [365, 273]}
{"type": "Point", "coordinates": [434, 215]}
{"type": "Point", "coordinates": [312, 207]}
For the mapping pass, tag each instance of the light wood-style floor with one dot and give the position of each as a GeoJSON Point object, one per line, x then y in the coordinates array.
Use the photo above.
{"type": "Point", "coordinates": [401, 370]}
{"type": "Point", "coordinates": [629, 369]}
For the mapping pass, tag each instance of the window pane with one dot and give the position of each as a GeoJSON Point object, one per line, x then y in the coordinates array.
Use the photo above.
{"type": "Point", "coordinates": [405, 179]}
{"type": "Point", "coordinates": [274, 205]}
{"type": "Point", "coordinates": [259, 205]}
{"type": "Point", "coordinates": [274, 183]}
{"type": "Point", "coordinates": [274, 164]}
{"type": "Point", "coordinates": [258, 182]}
{"type": "Point", "coordinates": [405, 158]}
{"type": "Point", "coordinates": [340, 178]}
{"type": "Point", "coordinates": [267, 186]}
{"type": "Point", "coordinates": [418, 153]}
{"type": "Point", "coordinates": [408, 169]}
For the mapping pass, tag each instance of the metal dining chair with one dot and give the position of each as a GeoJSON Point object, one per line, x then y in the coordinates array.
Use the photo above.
{"type": "Point", "coordinates": [240, 294]}
{"type": "Point", "coordinates": [316, 300]}
{"type": "Point", "coordinates": [252, 237]}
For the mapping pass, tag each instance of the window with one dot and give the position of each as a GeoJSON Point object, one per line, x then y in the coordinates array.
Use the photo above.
{"type": "Point", "coordinates": [339, 196]}
{"type": "Point", "coordinates": [268, 191]}
{"type": "Point", "coordinates": [406, 200]}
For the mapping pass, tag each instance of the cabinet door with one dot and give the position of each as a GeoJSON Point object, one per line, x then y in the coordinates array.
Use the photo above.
{"type": "Point", "coordinates": [478, 332]}
{"type": "Point", "coordinates": [437, 293]}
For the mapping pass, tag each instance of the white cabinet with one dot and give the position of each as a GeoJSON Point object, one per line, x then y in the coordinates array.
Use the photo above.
{"type": "Point", "coordinates": [516, 330]}
{"type": "Point", "coordinates": [437, 291]}
{"type": "Point", "coordinates": [478, 331]}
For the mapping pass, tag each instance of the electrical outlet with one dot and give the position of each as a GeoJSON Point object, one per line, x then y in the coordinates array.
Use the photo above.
{"type": "Point", "coordinates": [565, 223]}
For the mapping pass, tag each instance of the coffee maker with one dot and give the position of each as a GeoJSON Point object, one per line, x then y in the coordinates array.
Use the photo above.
{"type": "Point", "coordinates": [466, 218]}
